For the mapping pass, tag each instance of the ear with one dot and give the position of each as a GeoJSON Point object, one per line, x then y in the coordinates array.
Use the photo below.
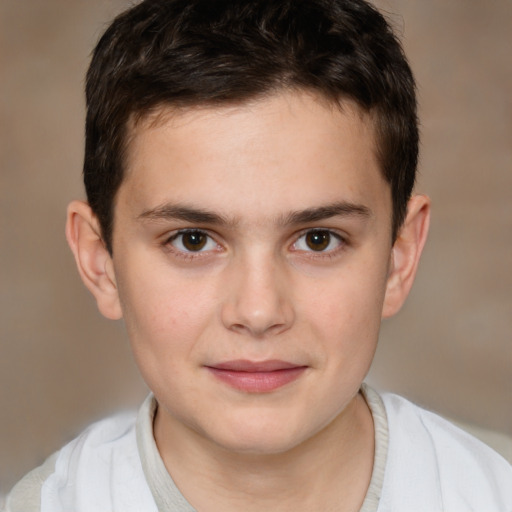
{"type": "Point", "coordinates": [405, 254]}
{"type": "Point", "coordinates": [93, 260]}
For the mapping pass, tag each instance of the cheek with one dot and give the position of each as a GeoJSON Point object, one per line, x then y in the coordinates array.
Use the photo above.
{"type": "Point", "coordinates": [164, 313]}
{"type": "Point", "coordinates": [350, 299]}
{"type": "Point", "coordinates": [345, 312]}
{"type": "Point", "coordinates": [165, 327]}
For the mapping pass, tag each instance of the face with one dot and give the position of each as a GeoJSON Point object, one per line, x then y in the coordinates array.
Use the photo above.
{"type": "Point", "coordinates": [251, 254]}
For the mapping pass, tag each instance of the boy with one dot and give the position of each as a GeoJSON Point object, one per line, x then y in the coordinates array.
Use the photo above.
{"type": "Point", "coordinates": [249, 169]}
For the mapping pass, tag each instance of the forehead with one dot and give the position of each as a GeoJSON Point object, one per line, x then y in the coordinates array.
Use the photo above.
{"type": "Point", "coordinates": [244, 114]}
{"type": "Point", "coordinates": [286, 148]}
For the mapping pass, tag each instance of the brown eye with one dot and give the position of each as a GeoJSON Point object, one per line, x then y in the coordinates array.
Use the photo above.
{"type": "Point", "coordinates": [318, 240]}
{"type": "Point", "coordinates": [194, 240]}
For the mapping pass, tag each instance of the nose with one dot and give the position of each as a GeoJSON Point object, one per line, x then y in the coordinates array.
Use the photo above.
{"type": "Point", "coordinates": [257, 298]}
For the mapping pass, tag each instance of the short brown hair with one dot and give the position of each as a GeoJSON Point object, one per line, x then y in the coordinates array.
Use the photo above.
{"type": "Point", "coordinates": [212, 52]}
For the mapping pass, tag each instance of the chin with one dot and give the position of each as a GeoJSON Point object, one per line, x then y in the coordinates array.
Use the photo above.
{"type": "Point", "coordinates": [260, 437]}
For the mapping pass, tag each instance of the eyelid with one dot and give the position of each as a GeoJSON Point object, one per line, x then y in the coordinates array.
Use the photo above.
{"type": "Point", "coordinates": [167, 243]}
{"type": "Point", "coordinates": [341, 238]}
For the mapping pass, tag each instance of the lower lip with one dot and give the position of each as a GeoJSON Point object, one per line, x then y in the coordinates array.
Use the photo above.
{"type": "Point", "coordinates": [258, 382]}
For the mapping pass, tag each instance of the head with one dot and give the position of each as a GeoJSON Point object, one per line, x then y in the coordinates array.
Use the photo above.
{"type": "Point", "coordinates": [248, 169]}
{"type": "Point", "coordinates": [189, 53]}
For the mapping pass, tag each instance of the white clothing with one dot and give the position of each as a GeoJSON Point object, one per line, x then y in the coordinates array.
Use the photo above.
{"type": "Point", "coordinates": [434, 466]}
{"type": "Point", "coordinates": [422, 464]}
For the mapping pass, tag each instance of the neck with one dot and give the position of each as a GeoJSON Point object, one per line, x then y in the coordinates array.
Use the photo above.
{"type": "Point", "coordinates": [329, 471]}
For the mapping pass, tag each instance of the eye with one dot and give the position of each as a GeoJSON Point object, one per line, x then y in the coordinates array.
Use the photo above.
{"type": "Point", "coordinates": [318, 240]}
{"type": "Point", "coordinates": [192, 241]}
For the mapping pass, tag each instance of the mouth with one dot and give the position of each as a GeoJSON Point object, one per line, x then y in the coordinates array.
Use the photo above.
{"type": "Point", "coordinates": [256, 377]}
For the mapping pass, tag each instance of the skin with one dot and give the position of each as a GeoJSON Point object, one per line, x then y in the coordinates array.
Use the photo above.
{"type": "Point", "coordinates": [254, 182]}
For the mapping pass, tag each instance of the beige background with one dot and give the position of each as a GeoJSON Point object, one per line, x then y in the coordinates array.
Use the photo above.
{"type": "Point", "coordinates": [450, 349]}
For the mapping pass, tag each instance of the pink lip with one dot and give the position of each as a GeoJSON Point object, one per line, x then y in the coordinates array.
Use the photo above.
{"type": "Point", "coordinates": [256, 377]}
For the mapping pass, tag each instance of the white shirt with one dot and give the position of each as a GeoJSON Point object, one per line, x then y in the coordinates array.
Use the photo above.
{"type": "Point", "coordinates": [422, 463]}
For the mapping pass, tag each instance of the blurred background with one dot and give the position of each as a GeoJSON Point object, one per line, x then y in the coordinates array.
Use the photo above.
{"type": "Point", "coordinates": [450, 349]}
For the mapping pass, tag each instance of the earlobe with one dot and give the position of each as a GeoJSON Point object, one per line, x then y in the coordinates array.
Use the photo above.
{"type": "Point", "coordinates": [405, 254]}
{"type": "Point", "coordinates": [93, 260]}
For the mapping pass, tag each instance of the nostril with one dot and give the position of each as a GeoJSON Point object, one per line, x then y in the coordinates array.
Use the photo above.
{"type": "Point", "coordinates": [257, 323]}
{"type": "Point", "coordinates": [256, 301]}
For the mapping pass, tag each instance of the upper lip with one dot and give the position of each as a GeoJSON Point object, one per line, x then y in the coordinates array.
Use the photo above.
{"type": "Point", "coordinates": [243, 365]}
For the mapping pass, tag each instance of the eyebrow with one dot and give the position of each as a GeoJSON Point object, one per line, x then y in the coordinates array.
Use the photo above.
{"type": "Point", "coordinates": [179, 212]}
{"type": "Point", "coordinates": [171, 211]}
{"type": "Point", "coordinates": [339, 209]}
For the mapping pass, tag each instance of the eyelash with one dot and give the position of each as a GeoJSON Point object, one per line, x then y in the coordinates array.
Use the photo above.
{"type": "Point", "coordinates": [192, 255]}
{"type": "Point", "coordinates": [189, 255]}
{"type": "Point", "coordinates": [322, 254]}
